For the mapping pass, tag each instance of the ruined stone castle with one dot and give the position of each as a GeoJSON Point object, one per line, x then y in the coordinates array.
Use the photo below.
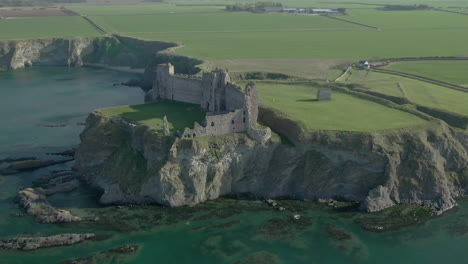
{"type": "Point", "coordinates": [229, 107]}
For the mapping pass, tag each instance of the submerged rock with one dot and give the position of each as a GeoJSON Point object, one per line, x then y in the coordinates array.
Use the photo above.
{"type": "Point", "coordinates": [16, 166]}
{"type": "Point", "coordinates": [113, 255]}
{"type": "Point", "coordinates": [261, 257]}
{"type": "Point", "coordinates": [33, 243]}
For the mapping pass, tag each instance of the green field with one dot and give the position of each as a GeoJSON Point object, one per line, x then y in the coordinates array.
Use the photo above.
{"type": "Point", "coordinates": [179, 115]}
{"type": "Point", "coordinates": [344, 112]}
{"type": "Point", "coordinates": [46, 27]}
{"type": "Point", "coordinates": [405, 20]}
{"type": "Point", "coordinates": [143, 9]}
{"type": "Point", "coordinates": [418, 92]}
{"type": "Point", "coordinates": [448, 71]}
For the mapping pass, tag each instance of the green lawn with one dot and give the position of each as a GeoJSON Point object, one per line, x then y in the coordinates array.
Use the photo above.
{"type": "Point", "coordinates": [419, 92]}
{"type": "Point", "coordinates": [448, 71]}
{"type": "Point", "coordinates": [344, 112]}
{"type": "Point", "coordinates": [46, 27]}
{"type": "Point", "coordinates": [179, 115]}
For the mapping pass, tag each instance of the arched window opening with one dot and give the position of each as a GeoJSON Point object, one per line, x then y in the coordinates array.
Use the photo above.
{"type": "Point", "coordinates": [212, 123]}
{"type": "Point", "coordinates": [232, 121]}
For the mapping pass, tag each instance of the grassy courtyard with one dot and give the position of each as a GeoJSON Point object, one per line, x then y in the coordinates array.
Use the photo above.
{"type": "Point", "coordinates": [179, 115]}
{"type": "Point", "coordinates": [344, 112]}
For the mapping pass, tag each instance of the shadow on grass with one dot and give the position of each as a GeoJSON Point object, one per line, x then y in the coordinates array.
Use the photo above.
{"type": "Point", "coordinates": [180, 115]}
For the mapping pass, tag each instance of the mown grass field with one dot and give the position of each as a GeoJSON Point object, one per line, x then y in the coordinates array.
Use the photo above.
{"type": "Point", "coordinates": [179, 115]}
{"type": "Point", "coordinates": [46, 27]}
{"type": "Point", "coordinates": [418, 92]}
{"type": "Point", "coordinates": [344, 112]}
{"type": "Point", "coordinates": [448, 71]}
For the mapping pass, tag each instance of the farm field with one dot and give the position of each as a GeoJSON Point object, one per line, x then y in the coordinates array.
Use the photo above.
{"type": "Point", "coordinates": [418, 92]}
{"type": "Point", "coordinates": [448, 71]}
{"type": "Point", "coordinates": [223, 22]}
{"type": "Point", "coordinates": [143, 9]}
{"type": "Point", "coordinates": [343, 113]}
{"type": "Point", "coordinates": [46, 27]}
{"type": "Point", "coordinates": [322, 69]}
{"type": "Point", "coordinates": [343, 44]}
{"type": "Point", "coordinates": [179, 115]}
{"type": "Point", "coordinates": [407, 20]}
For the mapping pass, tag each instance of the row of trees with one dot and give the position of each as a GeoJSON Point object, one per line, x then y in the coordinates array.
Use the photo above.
{"type": "Point", "coordinates": [5, 3]}
{"type": "Point", "coordinates": [258, 6]}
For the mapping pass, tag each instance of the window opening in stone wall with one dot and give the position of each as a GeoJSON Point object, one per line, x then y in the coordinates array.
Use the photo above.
{"type": "Point", "coordinates": [243, 120]}
{"type": "Point", "coordinates": [212, 123]}
{"type": "Point", "coordinates": [232, 121]}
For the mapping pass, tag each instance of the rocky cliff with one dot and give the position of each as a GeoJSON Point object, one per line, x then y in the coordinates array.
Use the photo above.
{"type": "Point", "coordinates": [134, 164]}
{"type": "Point", "coordinates": [74, 52]}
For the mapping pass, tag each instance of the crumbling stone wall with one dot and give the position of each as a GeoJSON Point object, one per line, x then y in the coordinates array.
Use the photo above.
{"type": "Point", "coordinates": [230, 108]}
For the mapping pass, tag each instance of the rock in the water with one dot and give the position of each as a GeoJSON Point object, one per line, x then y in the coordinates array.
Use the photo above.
{"type": "Point", "coordinates": [262, 257]}
{"type": "Point", "coordinates": [113, 255]}
{"type": "Point", "coordinates": [28, 164]}
{"type": "Point", "coordinates": [34, 200]}
{"type": "Point", "coordinates": [32, 243]}
{"type": "Point", "coordinates": [68, 152]}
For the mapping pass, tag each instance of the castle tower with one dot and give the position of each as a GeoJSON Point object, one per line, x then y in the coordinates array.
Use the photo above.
{"type": "Point", "coordinates": [160, 88]}
{"type": "Point", "coordinates": [214, 90]}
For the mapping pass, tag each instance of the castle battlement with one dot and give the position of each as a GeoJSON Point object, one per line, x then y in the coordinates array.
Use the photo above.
{"type": "Point", "coordinates": [230, 108]}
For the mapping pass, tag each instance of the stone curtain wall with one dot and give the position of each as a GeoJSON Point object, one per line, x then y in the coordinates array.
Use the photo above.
{"type": "Point", "coordinates": [231, 122]}
{"type": "Point", "coordinates": [185, 90]}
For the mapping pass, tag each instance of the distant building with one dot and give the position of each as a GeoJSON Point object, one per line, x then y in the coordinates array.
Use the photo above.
{"type": "Point", "coordinates": [364, 65]}
{"type": "Point", "coordinates": [324, 11]}
{"type": "Point", "coordinates": [324, 94]}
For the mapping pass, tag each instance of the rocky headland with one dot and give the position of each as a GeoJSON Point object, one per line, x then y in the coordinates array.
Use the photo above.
{"type": "Point", "coordinates": [134, 165]}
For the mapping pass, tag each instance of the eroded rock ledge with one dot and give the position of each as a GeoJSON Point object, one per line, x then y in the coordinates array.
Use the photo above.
{"type": "Point", "coordinates": [426, 166]}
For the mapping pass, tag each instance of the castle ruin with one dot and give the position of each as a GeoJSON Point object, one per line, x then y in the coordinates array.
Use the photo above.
{"type": "Point", "coordinates": [230, 108]}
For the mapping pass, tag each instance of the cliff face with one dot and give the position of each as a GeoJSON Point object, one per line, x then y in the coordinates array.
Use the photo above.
{"type": "Point", "coordinates": [135, 165]}
{"type": "Point", "coordinates": [74, 52]}
{"type": "Point", "coordinates": [19, 54]}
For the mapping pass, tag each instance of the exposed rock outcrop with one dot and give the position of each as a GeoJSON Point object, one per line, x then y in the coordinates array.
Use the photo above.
{"type": "Point", "coordinates": [33, 243]}
{"type": "Point", "coordinates": [426, 166]}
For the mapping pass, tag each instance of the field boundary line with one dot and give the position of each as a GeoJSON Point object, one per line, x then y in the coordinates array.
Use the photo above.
{"type": "Point", "coordinates": [94, 24]}
{"type": "Point", "coordinates": [423, 79]}
{"type": "Point", "coordinates": [448, 11]}
{"type": "Point", "coordinates": [352, 22]}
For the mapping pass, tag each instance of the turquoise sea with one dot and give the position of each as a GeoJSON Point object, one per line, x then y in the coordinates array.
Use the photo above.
{"type": "Point", "coordinates": [217, 232]}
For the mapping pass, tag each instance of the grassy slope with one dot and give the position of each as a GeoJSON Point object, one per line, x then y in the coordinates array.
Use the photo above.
{"type": "Point", "coordinates": [179, 115]}
{"type": "Point", "coordinates": [419, 92]}
{"type": "Point", "coordinates": [46, 27]}
{"type": "Point", "coordinates": [344, 112]}
{"type": "Point", "coordinates": [143, 9]}
{"type": "Point", "coordinates": [448, 71]}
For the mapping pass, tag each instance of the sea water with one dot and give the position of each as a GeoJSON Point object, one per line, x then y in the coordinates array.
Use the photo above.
{"type": "Point", "coordinates": [42, 110]}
